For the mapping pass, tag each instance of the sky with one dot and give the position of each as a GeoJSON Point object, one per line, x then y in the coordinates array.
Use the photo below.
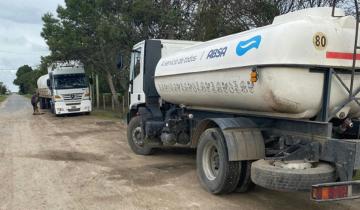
{"type": "Point", "coordinates": [20, 40]}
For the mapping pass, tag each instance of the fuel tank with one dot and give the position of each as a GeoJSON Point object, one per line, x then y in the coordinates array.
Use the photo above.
{"type": "Point", "coordinates": [276, 70]}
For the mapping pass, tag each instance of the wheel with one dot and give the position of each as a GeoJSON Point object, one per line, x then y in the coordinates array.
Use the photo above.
{"type": "Point", "coordinates": [245, 184]}
{"type": "Point", "coordinates": [216, 173]}
{"type": "Point", "coordinates": [269, 175]}
{"type": "Point", "coordinates": [41, 102]}
{"type": "Point", "coordinates": [52, 108]}
{"type": "Point", "coordinates": [134, 135]}
{"type": "Point", "coordinates": [47, 103]}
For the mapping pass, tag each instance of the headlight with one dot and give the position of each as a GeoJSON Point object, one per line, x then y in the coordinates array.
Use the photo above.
{"type": "Point", "coordinates": [86, 95]}
{"type": "Point", "coordinates": [57, 98]}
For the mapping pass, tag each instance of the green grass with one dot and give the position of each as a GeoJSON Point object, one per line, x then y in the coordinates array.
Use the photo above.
{"type": "Point", "coordinates": [2, 98]}
{"type": "Point", "coordinates": [27, 95]}
{"type": "Point", "coordinates": [108, 115]}
{"type": "Point", "coordinates": [357, 175]}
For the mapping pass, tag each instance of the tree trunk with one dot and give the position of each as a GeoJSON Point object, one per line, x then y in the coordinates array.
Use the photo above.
{"type": "Point", "coordinates": [112, 88]}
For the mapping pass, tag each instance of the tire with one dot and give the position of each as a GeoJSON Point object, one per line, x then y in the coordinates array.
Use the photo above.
{"type": "Point", "coordinates": [265, 174]}
{"type": "Point", "coordinates": [41, 102]}
{"type": "Point", "coordinates": [52, 108]}
{"type": "Point", "coordinates": [47, 103]}
{"type": "Point", "coordinates": [216, 173]}
{"type": "Point", "coordinates": [134, 130]}
{"type": "Point", "coordinates": [245, 184]}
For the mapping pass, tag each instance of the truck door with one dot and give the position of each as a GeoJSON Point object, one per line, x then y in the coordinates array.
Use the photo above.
{"type": "Point", "coordinates": [136, 77]}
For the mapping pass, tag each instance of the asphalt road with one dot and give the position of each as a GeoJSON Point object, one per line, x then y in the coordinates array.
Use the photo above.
{"type": "Point", "coordinates": [82, 162]}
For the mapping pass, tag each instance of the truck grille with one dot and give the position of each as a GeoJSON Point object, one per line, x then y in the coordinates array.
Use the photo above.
{"type": "Point", "coordinates": [74, 110]}
{"type": "Point", "coordinates": [72, 96]}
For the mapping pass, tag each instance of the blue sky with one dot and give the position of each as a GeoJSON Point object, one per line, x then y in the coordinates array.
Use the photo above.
{"type": "Point", "coordinates": [20, 40]}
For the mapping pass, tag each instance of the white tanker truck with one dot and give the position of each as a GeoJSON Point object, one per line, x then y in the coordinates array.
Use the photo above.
{"type": "Point", "coordinates": [65, 89]}
{"type": "Point", "coordinates": [276, 106]}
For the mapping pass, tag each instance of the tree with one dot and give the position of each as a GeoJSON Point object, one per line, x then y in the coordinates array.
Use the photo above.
{"type": "Point", "coordinates": [3, 89]}
{"type": "Point", "coordinates": [26, 78]}
{"type": "Point", "coordinates": [23, 79]}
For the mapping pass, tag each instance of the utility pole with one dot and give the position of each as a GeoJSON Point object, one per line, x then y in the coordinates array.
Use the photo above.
{"type": "Point", "coordinates": [97, 92]}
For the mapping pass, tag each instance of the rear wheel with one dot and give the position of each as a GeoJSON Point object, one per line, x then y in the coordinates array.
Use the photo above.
{"type": "Point", "coordinates": [216, 173]}
{"type": "Point", "coordinates": [41, 102]}
{"type": "Point", "coordinates": [245, 184]}
{"type": "Point", "coordinates": [134, 135]}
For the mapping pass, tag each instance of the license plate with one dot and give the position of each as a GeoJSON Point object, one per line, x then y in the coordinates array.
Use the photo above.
{"type": "Point", "coordinates": [73, 107]}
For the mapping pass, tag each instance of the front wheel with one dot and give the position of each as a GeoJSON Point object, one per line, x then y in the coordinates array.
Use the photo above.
{"type": "Point", "coordinates": [134, 135]}
{"type": "Point", "coordinates": [216, 173]}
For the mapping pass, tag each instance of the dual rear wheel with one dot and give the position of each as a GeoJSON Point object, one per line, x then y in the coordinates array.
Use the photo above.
{"type": "Point", "coordinates": [216, 173]}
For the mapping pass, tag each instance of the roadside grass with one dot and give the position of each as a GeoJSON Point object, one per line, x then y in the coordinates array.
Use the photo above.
{"type": "Point", "coordinates": [108, 115]}
{"type": "Point", "coordinates": [2, 98]}
{"type": "Point", "coordinates": [27, 95]}
{"type": "Point", "coordinates": [357, 175]}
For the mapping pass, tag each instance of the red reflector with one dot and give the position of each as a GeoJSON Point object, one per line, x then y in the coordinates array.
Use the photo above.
{"type": "Point", "coordinates": [330, 192]}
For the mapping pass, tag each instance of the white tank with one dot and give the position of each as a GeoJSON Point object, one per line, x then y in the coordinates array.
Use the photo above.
{"type": "Point", "coordinates": [43, 89]}
{"type": "Point", "coordinates": [215, 75]}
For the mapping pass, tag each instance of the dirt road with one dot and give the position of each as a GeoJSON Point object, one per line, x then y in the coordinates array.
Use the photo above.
{"type": "Point", "coordinates": [82, 162]}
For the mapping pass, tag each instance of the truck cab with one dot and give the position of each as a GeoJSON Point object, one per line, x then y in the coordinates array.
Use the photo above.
{"type": "Point", "coordinates": [69, 88]}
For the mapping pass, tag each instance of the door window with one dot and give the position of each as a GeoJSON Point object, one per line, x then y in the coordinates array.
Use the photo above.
{"type": "Point", "coordinates": [135, 63]}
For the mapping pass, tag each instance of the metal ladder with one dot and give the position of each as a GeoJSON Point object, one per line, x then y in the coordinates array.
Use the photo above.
{"type": "Point", "coordinates": [325, 116]}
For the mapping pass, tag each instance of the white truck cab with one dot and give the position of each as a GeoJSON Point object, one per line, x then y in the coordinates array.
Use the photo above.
{"type": "Point", "coordinates": [65, 88]}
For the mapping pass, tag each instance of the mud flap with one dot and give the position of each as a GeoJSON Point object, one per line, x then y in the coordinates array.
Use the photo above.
{"type": "Point", "coordinates": [244, 144]}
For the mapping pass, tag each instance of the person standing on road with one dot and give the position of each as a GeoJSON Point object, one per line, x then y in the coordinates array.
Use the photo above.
{"type": "Point", "coordinates": [34, 102]}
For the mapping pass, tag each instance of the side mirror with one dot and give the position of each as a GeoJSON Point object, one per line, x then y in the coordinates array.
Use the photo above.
{"type": "Point", "coordinates": [119, 63]}
{"type": "Point", "coordinates": [48, 83]}
{"type": "Point", "coordinates": [91, 81]}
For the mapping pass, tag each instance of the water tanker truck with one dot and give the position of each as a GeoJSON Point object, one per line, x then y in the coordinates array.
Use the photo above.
{"type": "Point", "coordinates": [275, 106]}
{"type": "Point", "coordinates": [65, 89]}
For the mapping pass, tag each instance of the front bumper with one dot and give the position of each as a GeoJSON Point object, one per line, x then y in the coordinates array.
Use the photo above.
{"type": "Point", "coordinates": [72, 107]}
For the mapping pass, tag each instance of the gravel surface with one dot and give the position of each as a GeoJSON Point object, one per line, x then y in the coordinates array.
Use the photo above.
{"type": "Point", "coordinates": [82, 162]}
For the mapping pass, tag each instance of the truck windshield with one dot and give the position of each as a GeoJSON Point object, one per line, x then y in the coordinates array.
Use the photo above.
{"type": "Point", "coordinates": [69, 81]}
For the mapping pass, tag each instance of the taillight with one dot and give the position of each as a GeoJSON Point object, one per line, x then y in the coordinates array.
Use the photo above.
{"type": "Point", "coordinates": [336, 191]}
{"type": "Point", "coordinates": [330, 193]}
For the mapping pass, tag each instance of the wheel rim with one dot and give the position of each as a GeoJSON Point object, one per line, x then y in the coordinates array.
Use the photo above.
{"type": "Point", "coordinates": [136, 137]}
{"type": "Point", "coordinates": [210, 160]}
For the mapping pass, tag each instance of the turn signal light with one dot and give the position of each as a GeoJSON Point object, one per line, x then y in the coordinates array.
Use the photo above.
{"type": "Point", "coordinates": [254, 76]}
{"type": "Point", "coordinates": [57, 97]}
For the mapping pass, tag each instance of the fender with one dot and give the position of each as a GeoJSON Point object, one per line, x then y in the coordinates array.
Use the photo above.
{"type": "Point", "coordinates": [133, 111]}
{"type": "Point", "coordinates": [242, 135]}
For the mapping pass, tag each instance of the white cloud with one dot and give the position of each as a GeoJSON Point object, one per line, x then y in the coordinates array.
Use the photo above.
{"type": "Point", "coordinates": [20, 40]}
